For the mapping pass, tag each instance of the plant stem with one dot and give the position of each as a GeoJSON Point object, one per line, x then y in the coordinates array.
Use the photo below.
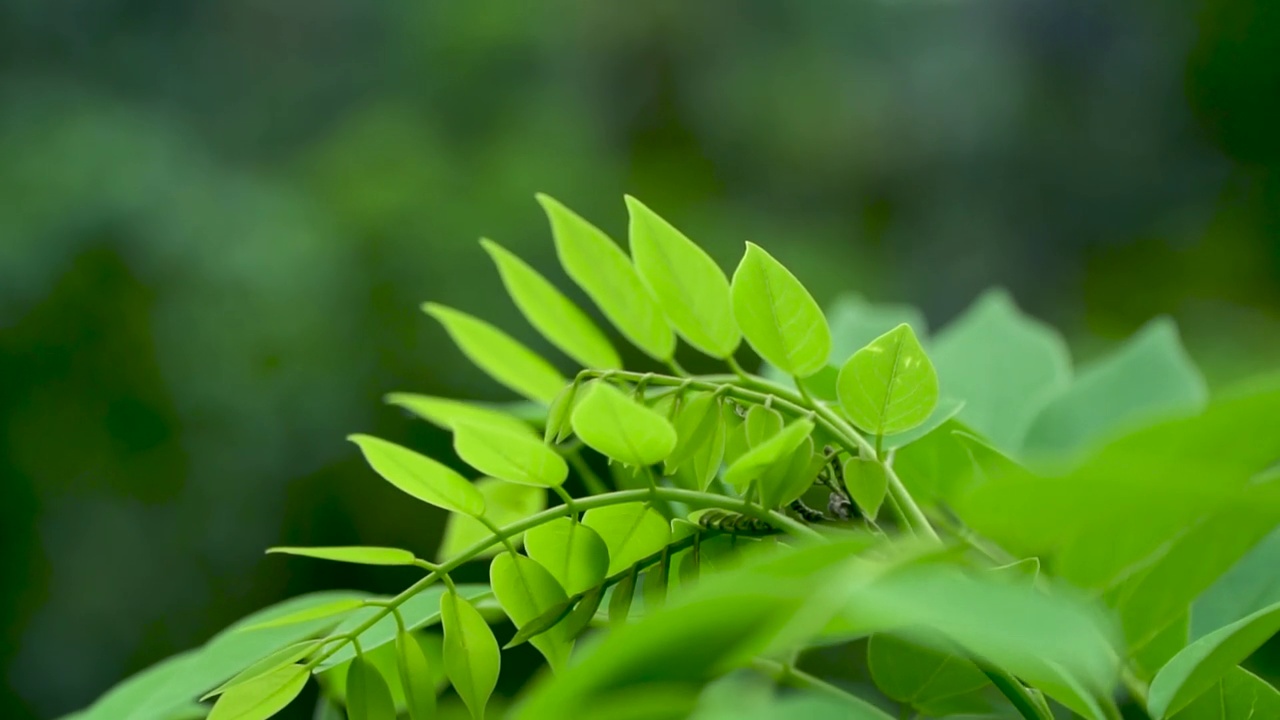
{"type": "Point", "coordinates": [801, 680]}
{"type": "Point", "coordinates": [1017, 694]}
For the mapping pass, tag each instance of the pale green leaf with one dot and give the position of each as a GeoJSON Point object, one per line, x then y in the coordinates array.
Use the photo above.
{"type": "Point", "coordinates": [359, 555]}
{"type": "Point", "coordinates": [554, 315]}
{"type": "Point", "coordinates": [572, 552]}
{"type": "Point", "coordinates": [1204, 662]}
{"type": "Point", "coordinates": [607, 276]}
{"type": "Point", "coordinates": [934, 682]}
{"type": "Point", "coordinates": [691, 289]}
{"type": "Point", "coordinates": [416, 679]}
{"type": "Point", "coordinates": [420, 476]}
{"type": "Point", "coordinates": [618, 427]}
{"type": "Point", "coordinates": [756, 460]}
{"type": "Point", "coordinates": [1238, 695]}
{"type": "Point", "coordinates": [420, 611]}
{"type": "Point", "coordinates": [328, 610]}
{"type": "Point", "coordinates": [368, 697]}
{"type": "Point", "coordinates": [515, 457]}
{"type": "Point", "coordinates": [262, 697]}
{"type": "Point", "coordinates": [695, 425]}
{"type": "Point", "coordinates": [792, 475]}
{"type": "Point", "coordinates": [867, 484]}
{"type": "Point", "coordinates": [333, 680]}
{"type": "Point", "coordinates": [1248, 586]}
{"type": "Point", "coordinates": [558, 427]}
{"type": "Point", "coordinates": [504, 503]}
{"type": "Point", "coordinates": [778, 316]}
{"type": "Point", "coordinates": [501, 356]}
{"type": "Point", "coordinates": [762, 424]}
{"type": "Point", "coordinates": [937, 467]}
{"type": "Point", "coordinates": [631, 531]}
{"type": "Point", "coordinates": [286, 655]}
{"type": "Point", "coordinates": [1148, 378]}
{"type": "Point", "coordinates": [946, 409]}
{"type": "Point", "coordinates": [526, 590]}
{"type": "Point", "coordinates": [889, 386]}
{"type": "Point", "coordinates": [445, 412]}
{"type": "Point", "coordinates": [471, 655]}
{"type": "Point", "coordinates": [1003, 364]}
{"type": "Point", "coordinates": [855, 322]}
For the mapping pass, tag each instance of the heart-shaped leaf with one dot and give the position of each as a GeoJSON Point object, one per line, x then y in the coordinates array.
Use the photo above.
{"type": "Point", "coordinates": [889, 386]}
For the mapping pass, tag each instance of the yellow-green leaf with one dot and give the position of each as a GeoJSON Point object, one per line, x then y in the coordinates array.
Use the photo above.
{"type": "Point", "coordinates": [368, 696]}
{"type": "Point", "coordinates": [445, 412]}
{"type": "Point", "coordinates": [503, 357]}
{"type": "Point", "coordinates": [867, 484]}
{"type": "Point", "coordinates": [359, 555]}
{"type": "Point", "coordinates": [572, 552]}
{"type": "Point", "coordinates": [631, 531]}
{"type": "Point", "coordinates": [504, 503]}
{"type": "Point", "coordinates": [416, 678]}
{"type": "Point", "coordinates": [777, 315]}
{"type": "Point", "coordinates": [889, 386]}
{"type": "Point", "coordinates": [613, 424]}
{"type": "Point", "coordinates": [558, 427]}
{"type": "Point", "coordinates": [471, 655]}
{"type": "Point", "coordinates": [791, 476]}
{"type": "Point", "coordinates": [758, 459]}
{"type": "Point", "coordinates": [691, 289]}
{"type": "Point", "coordinates": [526, 590]}
{"type": "Point", "coordinates": [554, 315]}
{"type": "Point", "coordinates": [328, 610]}
{"type": "Point", "coordinates": [695, 426]}
{"type": "Point", "coordinates": [287, 655]}
{"type": "Point", "coordinates": [514, 457]}
{"type": "Point", "coordinates": [762, 423]}
{"type": "Point", "coordinates": [605, 273]}
{"type": "Point", "coordinates": [261, 697]}
{"type": "Point", "coordinates": [420, 476]}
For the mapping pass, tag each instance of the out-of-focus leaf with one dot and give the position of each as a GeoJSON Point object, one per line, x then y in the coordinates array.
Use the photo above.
{"type": "Point", "coordinates": [855, 322]}
{"type": "Point", "coordinates": [501, 356]}
{"type": "Point", "coordinates": [419, 611]}
{"type": "Point", "coordinates": [416, 678]}
{"type": "Point", "coordinates": [889, 386]}
{"type": "Point", "coordinates": [631, 531]}
{"type": "Point", "coordinates": [618, 427]}
{"type": "Point", "coordinates": [756, 460]}
{"type": "Point", "coordinates": [515, 457]}
{"type": "Point", "coordinates": [572, 552]}
{"type": "Point", "coordinates": [262, 697]}
{"type": "Point", "coordinates": [504, 503]}
{"type": "Point", "coordinates": [867, 484]}
{"type": "Point", "coordinates": [368, 697]}
{"type": "Point", "coordinates": [553, 314]}
{"type": "Point", "coordinates": [934, 682]}
{"type": "Point", "coordinates": [937, 467]}
{"type": "Point", "coordinates": [471, 655]}
{"type": "Point", "coordinates": [946, 409]}
{"type": "Point", "coordinates": [445, 412]}
{"type": "Point", "coordinates": [1250, 585]}
{"type": "Point", "coordinates": [420, 476]}
{"type": "Point", "coordinates": [1237, 695]}
{"type": "Point", "coordinates": [620, 600]}
{"type": "Point", "coordinates": [605, 273]}
{"type": "Point", "coordinates": [526, 590]}
{"type": "Point", "coordinates": [360, 555]}
{"type": "Point", "coordinates": [328, 610]}
{"type": "Point", "coordinates": [778, 316]}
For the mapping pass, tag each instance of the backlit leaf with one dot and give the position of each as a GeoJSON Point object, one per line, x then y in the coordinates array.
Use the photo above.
{"type": "Point", "coordinates": [553, 314]}
{"type": "Point", "coordinates": [1250, 585]}
{"type": "Point", "coordinates": [855, 322]}
{"type": "Point", "coordinates": [328, 610]}
{"type": "Point", "coordinates": [789, 478]}
{"type": "Point", "coordinates": [262, 697]}
{"type": "Point", "coordinates": [1238, 695]}
{"type": "Point", "coordinates": [691, 289]}
{"type": "Point", "coordinates": [420, 476]}
{"type": "Point", "coordinates": [867, 484]}
{"type": "Point", "coordinates": [444, 413]}
{"type": "Point", "coordinates": [607, 276]}
{"type": "Point", "coordinates": [501, 356]}
{"type": "Point", "coordinates": [631, 531]}
{"type": "Point", "coordinates": [946, 409]}
{"type": "Point", "coordinates": [471, 655]}
{"type": "Point", "coordinates": [756, 460]}
{"type": "Point", "coordinates": [504, 503]}
{"type": "Point", "coordinates": [515, 457]}
{"type": "Point", "coordinates": [526, 590]}
{"type": "Point", "coordinates": [416, 677]}
{"type": "Point", "coordinates": [368, 697]}
{"type": "Point", "coordinates": [573, 553]}
{"type": "Point", "coordinates": [762, 423]}
{"type": "Point", "coordinates": [618, 427]}
{"type": "Point", "coordinates": [695, 426]}
{"type": "Point", "coordinates": [778, 316]}
{"type": "Point", "coordinates": [359, 555]}
{"type": "Point", "coordinates": [889, 386]}
{"type": "Point", "coordinates": [421, 610]}
{"type": "Point", "coordinates": [287, 655]}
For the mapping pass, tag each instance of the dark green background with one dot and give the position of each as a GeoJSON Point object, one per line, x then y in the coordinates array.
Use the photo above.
{"type": "Point", "coordinates": [217, 220]}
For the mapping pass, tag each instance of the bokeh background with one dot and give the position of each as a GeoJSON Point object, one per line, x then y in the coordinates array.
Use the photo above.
{"type": "Point", "coordinates": [217, 220]}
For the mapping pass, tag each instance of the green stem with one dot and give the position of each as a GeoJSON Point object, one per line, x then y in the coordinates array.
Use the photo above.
{"type": "Point", "coordinates": [1017, 694]}
{"type": "Point", "coordinates": [801, 680]}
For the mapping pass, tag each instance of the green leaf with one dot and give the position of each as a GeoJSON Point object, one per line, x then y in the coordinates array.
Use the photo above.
{"type": "Point", "coordinates": [855, 322]}
{"type": "Point", "coordinates": [889, 386]}
{"type": "Point", "coordinates": [790, 477]}
{"type": "Point", "coordinates": [620, 601]}
{"type": "Point", "coordinates": [1149, 378]}
{"type": "Point", "coordinates": [526, 590]}
{"type": "Point", "coordinates": [504, 503]}
{"type": "Point", "coordinates": [1251, 584]}
{"type": "Point", "coordinates": [444, 413]}
{"type": "Point", "coordinates": [515, 457]}
{"type": "Point", "coordinates": [618, 427]}
{"type": "Point", "coordinates": [262, 697]}
{"type": "Point", "coordinates": [554, 315]}
{"type": "Point", "coordinates": [935, 683]}
{"type": "Point", "coordinates": [654, 584]}
{"type": "Point", "coordinates": [937, 467]}
{"type": "Point", "coordinates": [695, 426]}
{"type": "Point", "coordinates": [421, 610]}
{"type": "Point", "coordinates": [702, 467]}
{"type": "Point", "coordinates": [867, 485]}
{"type": "Point", "coordinates": [1204, 662]}
{"type": "Point", "coordinates": [631, 531]}
{"type": "Point", "coordinates": [946, 409]}
{"type": "Point", "coordinates": [416, 678]}
{"type": "Point", "coordinates": [756, 460]}
{"type": "Point", "coordinates": [359, 555]}
{"type": "Point", "coordinates": [368, 697]}
{"type": "Point", "coordinates": [287, 655]}
{"type": "Point", "coordinates": [471, 655]}
{"type": "Point", "coordinates": [1005, 366]}
{"type": "Point", "coordinates": [420, 476]}
{"type": "Point", "coordinates": [762, 423]}
{"type": "Point", "coordinates": [691, 289]}
{"type": "Point", "coordinates": [558, 427]}
{"type": "Point", "coordinates": [573, 553]}
{"type": "Point", "coordinates": [1238, 695]}
{"type": "Point", "coordinates": [778, 316]}
{"type": "Point", "coordinates": [501, 356]}
{"type": "Point", "coordinates": [328, 610]}
{"type": "Point", "coordinates": [1022, 572]}
{"type": "Point", "coordinates": [584, 613]}
{"type": "Point", "coordinates": [605, 273]}
{"type": "Point", "coordinates": [735, 442]}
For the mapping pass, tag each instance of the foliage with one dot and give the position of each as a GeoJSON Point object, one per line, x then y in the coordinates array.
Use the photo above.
{"type": "Point", "coordinates": [1000, 538]}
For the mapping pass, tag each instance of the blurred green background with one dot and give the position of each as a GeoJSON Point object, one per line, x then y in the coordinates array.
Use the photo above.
{"type": "Point", "coordinates": [217, 220]}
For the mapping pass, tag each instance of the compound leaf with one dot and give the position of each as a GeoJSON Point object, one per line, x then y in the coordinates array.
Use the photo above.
{"type": "Point", "coordinates": [420, 476]}
{"type": "Point", "coordinates": [501, 356]}
{"type": "Point", "coordinates": [421, 610]}
{"type": "Point", "coordinates": [777, 315]}
{"type": "Point", "coordinates": [889, 386]}
{"type": "Point", "coordinates": [504, 503]}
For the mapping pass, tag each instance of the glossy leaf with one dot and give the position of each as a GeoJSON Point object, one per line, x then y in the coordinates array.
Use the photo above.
{"type": "Point", "coordinates": [778, 316]}
{"type": "Point", "coordinates": [262, 697]}
{"type": "Point", "coordinates": [515, 457]}
{"type": "Point", "coordinates": [368, 697]}
{"type": "Point", "coordinates": [935, 683]}
{"type": "Point", "coordinates": [1005, 365]}
{"type": "Point", "coordinates": [572, 552]}
{"type": "Point", "coordinates": [421, 610]}
{"type": "Point", "coordinates": [689, 286]}
{"type": "Point", "coordinates": [867, 485]}
{"type": "Point", "coordinates": [420, 476]}
{"type": "Point", "coordinates": [1205, 661]}
{"type": "Point", "coordinates": [607, 276]}
{"type": "Point", "coordinates": [1149, 378]}
{"type": "Point", "coordinates": [631, 531]}
{"type": "Point", "coordinates": [756, 460]}
{"type": "Point", "coordinates": [328, 610]}
{"type": "Point", "coordinates": [618, 427]}
{"type": "Point", "coordinates": [526, 590]}
{"type": "Point", "coordinates": [471, 655]}
{"type": "Point", "coordinates": [359, 555]}
{"type": "Point", "coordinates": [695, 425]}
{"type": "Point", "coordinates": [501, 356]}
{"type": "Point", "coordinates": [1250, 585]}
{"type": "Point", "coordinates": [889, 386]}
{"type": "Point", "coordinates": [416, 678]}
{"type": "Point", "coordinates": [504, 503]}
{"type": "Point", "coordinates": [1238, 695]}
{"type": "Point", "coordinates": [761, 424]}
{"type": "Point", "coordinates": [554, 315]}
{"type": "Point", "coordinates": [444, 413]}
